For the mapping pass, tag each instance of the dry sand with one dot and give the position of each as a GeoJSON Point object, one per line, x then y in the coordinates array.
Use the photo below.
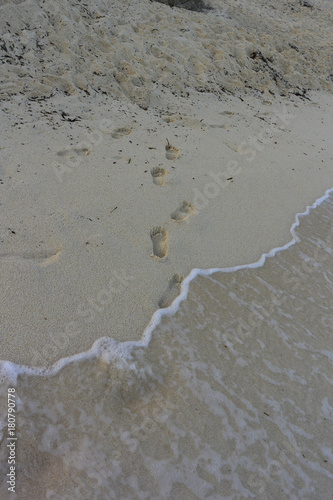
{"type": "Point", "coordinates": [137, 48]}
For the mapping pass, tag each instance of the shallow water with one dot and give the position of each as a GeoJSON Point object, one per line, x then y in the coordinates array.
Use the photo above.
{"type": "Point", "coordinates": [231, 398]}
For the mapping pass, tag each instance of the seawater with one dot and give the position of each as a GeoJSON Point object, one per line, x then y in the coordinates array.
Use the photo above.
{"type": "Point", "coordinates": [228, 395]}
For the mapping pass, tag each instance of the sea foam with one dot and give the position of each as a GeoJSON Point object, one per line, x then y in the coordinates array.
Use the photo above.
{"type": "Point", "coordinates": [110, 350]}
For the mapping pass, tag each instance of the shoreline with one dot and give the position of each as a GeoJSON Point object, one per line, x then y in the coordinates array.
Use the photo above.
{"type": "Point", "coordinates": [78, 264]}
{"type": "Point", "coordinates": [166, 249]}
{"type": "Point", "coordinates": [240, 370]}
{"type": "Point", "coordinates": [106, 350]}
{"type": "Point", "coordinates": [82, 253]}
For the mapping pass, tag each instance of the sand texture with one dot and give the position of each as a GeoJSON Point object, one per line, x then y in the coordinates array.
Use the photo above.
{"type": "Point", "coordinates": [89, 242]}
{"type": "Point", "coordinates": [140, 140]}
{"type": "Point", "coordinates": [137, 48]}
{"type": "Point", "coordinates": [230, 399]}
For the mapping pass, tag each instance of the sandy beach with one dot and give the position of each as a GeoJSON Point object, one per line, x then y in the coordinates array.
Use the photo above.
{"type": "Point", "coordinates": [139, 141]}
{"type": "Point", "coordinates": [86, 176]}
{"type": "Point", "coordinates": [79, 261]}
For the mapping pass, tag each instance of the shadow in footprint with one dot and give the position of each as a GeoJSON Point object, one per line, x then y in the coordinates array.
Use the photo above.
{"type": "Point", "coordinates": [158, 174]}
{"type": "Point", "coordinates": [118, 133]}
{"type": "Point", "coordinates": [71, 152]}
{"type": "Point", "coordinates": [183, 212]}
{"type": "Point", "coordinates": [171, 152]}
{"type": "Point", "coordinates": [159, 237]}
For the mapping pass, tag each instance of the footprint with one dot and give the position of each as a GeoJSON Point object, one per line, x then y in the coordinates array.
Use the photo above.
{"type": "Point", "coordinates": [171, 292]}
{"type": "Point", "coordinates": [70, 153]}
{"type": "Point", "coordinates": [82, 151]}
{"type": "Point", "coordinates": [159, 238]}
{"type": "Point", "coordinates": [65, 153]}
{"type": "Point", "coordinates": [219, 126]}
{"type": "Point", "coordinates": [158, 174]}
{"type": "Point", "coordinates": [183, 212]}
{"type": "Point", "coordinates": [118, 133]}
{"type": "Point", "coordinates": [41, 258]}
{"type": "Point", "coordinates": [183, 120]}
{"type": "Point", "coordinates": [49, 258]}
{"type": "Point", "coordinates": [171, 152]}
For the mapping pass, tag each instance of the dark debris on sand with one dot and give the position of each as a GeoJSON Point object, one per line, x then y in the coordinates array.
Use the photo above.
{"type": "Point", "coordinates": [195, 5]}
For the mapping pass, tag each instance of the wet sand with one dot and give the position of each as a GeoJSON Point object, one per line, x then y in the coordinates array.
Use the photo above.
{"type": "Point", "coordinates": [230, 398]}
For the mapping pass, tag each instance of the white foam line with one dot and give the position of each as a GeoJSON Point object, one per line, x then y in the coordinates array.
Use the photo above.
{"type": "Point", "coordinates": [110, 349]}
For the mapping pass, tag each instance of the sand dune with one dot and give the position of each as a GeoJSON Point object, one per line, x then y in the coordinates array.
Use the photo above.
{"type": "Point", "coordinates": [136, 48]}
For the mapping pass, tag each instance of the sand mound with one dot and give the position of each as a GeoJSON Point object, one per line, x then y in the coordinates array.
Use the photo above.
{"type": "Point", "coordinates": [135, 47]}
